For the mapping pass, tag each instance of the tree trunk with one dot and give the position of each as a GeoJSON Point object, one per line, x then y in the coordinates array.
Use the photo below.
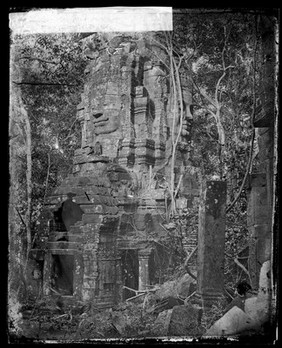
{"type": "Point", "coordinates": [20, 147]}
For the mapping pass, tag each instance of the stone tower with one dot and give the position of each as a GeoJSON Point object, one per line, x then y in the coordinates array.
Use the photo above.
{"type": "Point", "coordinates": [105, 217]}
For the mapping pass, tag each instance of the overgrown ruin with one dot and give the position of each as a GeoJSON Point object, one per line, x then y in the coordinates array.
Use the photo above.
{"type": "Point", "coordinates": [105, 219]}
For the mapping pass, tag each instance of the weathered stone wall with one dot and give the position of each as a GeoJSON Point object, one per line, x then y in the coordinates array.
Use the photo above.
{"type": "Point", "coordinates": [261, 183]}
{"type": "Point", "coordinates": [118, 177]}
{"type": "Point", "coordinates": [211, 242]}
{"type": "Point", "coordinates": [125, 109]}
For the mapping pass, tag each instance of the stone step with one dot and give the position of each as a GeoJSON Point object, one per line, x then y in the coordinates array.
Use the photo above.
{"type": "Point", "coordinates": [65, 237]}
{"type": "Point", "coordinates": [63, 245]}
{"type": "Point", "coordinates": [76, 238]}
{"type": "Point", "coordinates": [37, 254]}
{"type": "Point", "coordinates": [55, 236]}
{"type": "Point", "coordinates": [63, 251]}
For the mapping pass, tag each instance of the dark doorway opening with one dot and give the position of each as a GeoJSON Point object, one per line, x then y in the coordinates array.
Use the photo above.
{"type": "Point", "coordinates": [58, 224]}
{"type": "Point", "coordinates": [66, 215]}
{"type": "Point", "coordinates": [130, 272]}
{"type": "Point", "coordinates": [62, 274]}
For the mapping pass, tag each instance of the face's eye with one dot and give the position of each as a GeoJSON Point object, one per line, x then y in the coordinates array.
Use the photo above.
{"type": "Point", "coordinates": [98, 115]}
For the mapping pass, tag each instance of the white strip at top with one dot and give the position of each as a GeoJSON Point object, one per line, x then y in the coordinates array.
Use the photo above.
{"type": "Point", "coordinates": [98, 19]}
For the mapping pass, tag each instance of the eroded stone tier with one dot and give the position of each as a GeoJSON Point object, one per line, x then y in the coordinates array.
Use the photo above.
{"type": "Point", "coordinates": [125, 111]}
{"type": "Point", "coordinates": [106, 215]}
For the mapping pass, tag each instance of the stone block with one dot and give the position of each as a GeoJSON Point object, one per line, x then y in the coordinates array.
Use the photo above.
{"type": "Point", "coordinates": [178, 321]}
{"type": "Point", "coordinates": [161, 325]}
{"type": "Point", "coordinates": [186, 286]}
{"type": "Point", "coordinates": [234, 322]}
{"type": "Point", "coordinates": [88, 208]}
{"type": "Point", "coordinates": [112, 210]}
{"type": "Point", "coordinates": [83, 199]}
{"type": "Point", "coordinates": [36, 254]}
{"type": "Point", "coordinates": [62, 245]}
{"type": "Point", "coordinates": [92, 218]}
{"type": "Point", "coordinates": [259, 308]}
{"type": "Point", "coordinates": [265, 280]}
{"type": "Point", "coordinates": [93, 190]}
{"type": "Point", "coordinates": [182, 286]}
{"type": "Point", "coordinates": [257, 180]}
{"type": "Point", "coordinates": [184, 321]}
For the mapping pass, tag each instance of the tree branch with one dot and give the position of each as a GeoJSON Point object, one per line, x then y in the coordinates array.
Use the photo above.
{"type": "Point", "coordinates": [175, 112]}
{"type": "Point", "coordinates": [39, 59]}
{"type": "Point", "coordinates": [22, 220]}
{"type": "Point", "coordinates": [186, 263]}
{"type": "Point", "coordinates": [190, 255]}
{"type": "Point", "coordinates": [69, 134]}
{"type": "Point", "coordinates": [47, 177]}
{"type": "Point", "coordinates": [218, 83]}
{"type": "Point", "coordinates": [209, 99]}
{"type": "Point", "coordinates": [252, 140]}
{"type": "Point", "coordinates": [42, 83]}
{"type": "Point", "coordinates": [178, 185]}
{"type": "Point", "coordinates": [238, 263]}
{"type": "Point", "coordinates": [190, 273]}
{"type": "Point", "coordinates": [245, 176]}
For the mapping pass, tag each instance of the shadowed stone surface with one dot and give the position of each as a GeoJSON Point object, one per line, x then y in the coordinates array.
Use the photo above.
{"type": "Point", "coordinates": [119, 173]}
{"type": "Point", "coordinates": [211, 239]}
{"type": "Point", "coordinates": [235, 321]}
{"type": "Point", "coordinates": [181, 320]}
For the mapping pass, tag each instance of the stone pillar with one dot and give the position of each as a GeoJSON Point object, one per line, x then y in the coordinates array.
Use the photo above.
{"type": "Point", "coordinates": [259, 226]}
{"type": "Point", "coordinates": [126, 156]}
{"type": "Point", "coordinates": [119, 282]}
{"type": "Point", "coordinates": [143, 259]}
{"type": "Point", "coordinates": [47, 274]}
{"type": "Point", "coordinates": [140, 113]}
{"type": "Point", "coordinates": [211, 239]}
{"type": "Point", "coordinates": [260, 218]}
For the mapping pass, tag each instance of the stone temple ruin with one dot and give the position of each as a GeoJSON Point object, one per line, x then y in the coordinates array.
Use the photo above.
{"type": "Point", "coordinates": [105, 217]}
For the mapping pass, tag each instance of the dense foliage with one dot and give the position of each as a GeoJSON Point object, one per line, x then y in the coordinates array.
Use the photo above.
{"type": "Point", "coordinates": [222, 56]}
{"type": "Point", "coordinates": [51, 79]}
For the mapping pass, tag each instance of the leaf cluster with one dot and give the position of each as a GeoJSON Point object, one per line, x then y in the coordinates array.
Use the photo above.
{"type": "Point", "coordinates": [209, 43]}
{"type": "Point", "coordinates": [51, 79]}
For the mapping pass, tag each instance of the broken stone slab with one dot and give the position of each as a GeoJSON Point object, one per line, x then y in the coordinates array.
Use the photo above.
{"type": "Point", "coordinates": [119, 321]}
{"type": "Point", "coordinates": [234, 322]}
{"type": "Point", "coordinates": [253, 310]}
{"type": "Point", "coordinates": [264, 281]}
{"type": "Point", "coordinates": [239, 322]}
{"type": "Point", "coordinates": [166, 303]}
{"type": "Point", "coordinates": [186, 286]}
{"type": "Point", "coordinates": [259, 311]}
{"type": "Point", "coordinates": [180, 287]}
{"type": "Point", "coordinates": [161, 325]}
{"type": "Point", "coordinates": [184, 321]}
{"type": "Point", "coordinates": [259, 308]}
{"type": "Point", "coordinates": [180, 320]}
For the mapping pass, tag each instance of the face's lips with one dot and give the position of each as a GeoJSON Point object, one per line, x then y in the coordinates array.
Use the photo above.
{"type": "Point", "coordinates": [101, 123]}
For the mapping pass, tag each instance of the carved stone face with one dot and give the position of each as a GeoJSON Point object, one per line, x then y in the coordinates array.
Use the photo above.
{"type": "Point", "coordinates": [105, 106]}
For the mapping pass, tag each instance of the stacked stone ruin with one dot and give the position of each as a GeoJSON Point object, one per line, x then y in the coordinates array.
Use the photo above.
{"type": "Point", "coordinates": [118, 174]}
{"type": "Point", "coordinates": [107, 242]}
